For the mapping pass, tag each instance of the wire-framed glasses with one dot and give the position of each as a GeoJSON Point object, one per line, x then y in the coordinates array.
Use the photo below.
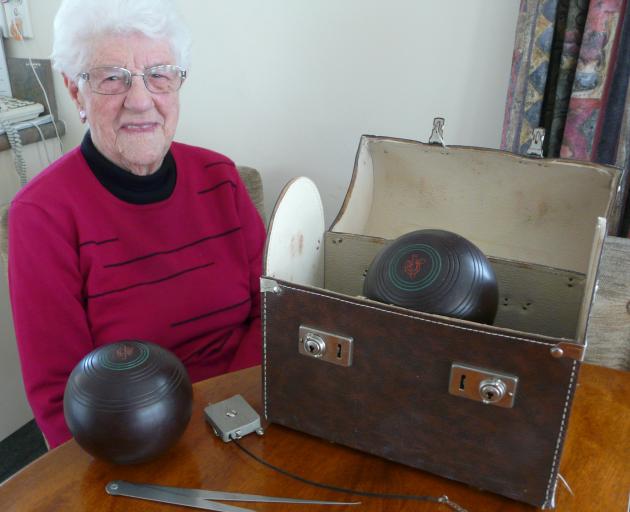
{"type": "Point", "coordinates": [160, 79]}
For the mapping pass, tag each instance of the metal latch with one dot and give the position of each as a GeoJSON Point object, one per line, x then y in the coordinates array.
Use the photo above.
{"type": "Point", "coordinates": [486, 386]}
{"type": "Point", "coordinates": [437, 134]}
{"type": "Point", "coordinates": [269, 285]}
{"type": "Point", "coordinates": [329, 347]}
{"type": "Point", "coordinates": [535, 148]}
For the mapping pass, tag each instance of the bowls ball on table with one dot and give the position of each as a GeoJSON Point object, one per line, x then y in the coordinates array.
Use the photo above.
{"type": "Point", "coordinates": [435, 271]}
{"type": "Point", "coordinates": [128, 402]}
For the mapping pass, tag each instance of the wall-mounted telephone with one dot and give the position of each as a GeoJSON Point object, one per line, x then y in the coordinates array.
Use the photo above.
{"type": "Point", "coordinates": [13, 110]}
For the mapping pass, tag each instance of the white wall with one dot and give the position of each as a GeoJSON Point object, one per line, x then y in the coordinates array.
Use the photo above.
{"type": "Point", "coordinates": [289, 86]}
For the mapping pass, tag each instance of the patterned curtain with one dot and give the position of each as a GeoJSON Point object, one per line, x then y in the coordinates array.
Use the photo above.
{"type": "Point", "coordinates": [570, 75]}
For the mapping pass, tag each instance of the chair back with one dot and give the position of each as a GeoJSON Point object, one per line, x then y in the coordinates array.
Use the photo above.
{"type": "Point", "coordinates": [253, 183]}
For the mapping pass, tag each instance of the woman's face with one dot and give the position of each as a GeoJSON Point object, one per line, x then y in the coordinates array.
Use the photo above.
{"type": "Point", "coordinates": [135, 129]}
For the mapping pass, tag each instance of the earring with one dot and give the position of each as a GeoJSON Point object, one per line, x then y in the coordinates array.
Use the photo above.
{"type": "Point", "coordinates": [82, 116]}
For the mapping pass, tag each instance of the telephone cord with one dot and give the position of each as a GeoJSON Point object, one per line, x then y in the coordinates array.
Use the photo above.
{"type": "Point", "coordinates": [15, 142]}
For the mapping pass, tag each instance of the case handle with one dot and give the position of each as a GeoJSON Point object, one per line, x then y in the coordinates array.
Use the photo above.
{"type": "Point", "coordinates": [437, 134]}
{"type": "Point", "coordinates": [536, 146]}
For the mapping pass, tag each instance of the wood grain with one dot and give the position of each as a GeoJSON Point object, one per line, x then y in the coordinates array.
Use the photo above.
{"type": "Point", "coordinates": [68, 479]}
{"type": "Point", "coordinates": [608, 332]}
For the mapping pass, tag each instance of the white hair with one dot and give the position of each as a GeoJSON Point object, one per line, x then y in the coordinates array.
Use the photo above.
{"type": "Point", "coordinates": [79, 23]}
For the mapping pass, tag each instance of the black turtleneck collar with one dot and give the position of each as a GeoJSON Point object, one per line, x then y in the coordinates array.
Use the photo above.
{"type": "Point", "coordinates": [125, 185]}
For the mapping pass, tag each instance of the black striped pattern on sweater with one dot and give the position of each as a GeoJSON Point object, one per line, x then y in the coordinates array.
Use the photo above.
{"type": "Point", "coordinates": [220, 162]}
{"type": "Point", "coordinates": [171, 251]}
{"type": "Point", "coordinates": [98, 242]}
{"type": "Point", "coordinates": [154, 281]}
{"type": "Point", "coordinates": [210, 313]}
{"type": "Point", "coordinates": [220, 184]}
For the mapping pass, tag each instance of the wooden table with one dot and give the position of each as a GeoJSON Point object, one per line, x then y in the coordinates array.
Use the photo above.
{"type": "Point", "coordinates": [596, 463]}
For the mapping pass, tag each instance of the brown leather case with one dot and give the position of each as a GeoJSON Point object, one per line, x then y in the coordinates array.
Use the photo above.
{"type": "Point", "coordinates": [395, 398]}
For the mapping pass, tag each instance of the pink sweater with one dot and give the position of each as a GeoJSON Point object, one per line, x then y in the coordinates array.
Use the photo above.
{"type": "Point", "coordinates": [87, 269]}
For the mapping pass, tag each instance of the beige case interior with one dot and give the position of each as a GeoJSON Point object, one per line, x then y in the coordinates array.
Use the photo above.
{"type": "Point", "coordinates": [536, 220]}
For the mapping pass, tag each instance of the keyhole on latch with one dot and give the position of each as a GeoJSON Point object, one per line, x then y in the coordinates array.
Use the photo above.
{"type": "Point", "coordinates": [461, 382]}
{"type": "Point", "coordinates": [338, 350]}
{"type": "Point", "coordinates": [314, 345]}
{"type": "Point", "coordinates": [489, 394]}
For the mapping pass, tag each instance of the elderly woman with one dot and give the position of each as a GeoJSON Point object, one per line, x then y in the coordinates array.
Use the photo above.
{"type": "Point", "coordinates": [130, 235]}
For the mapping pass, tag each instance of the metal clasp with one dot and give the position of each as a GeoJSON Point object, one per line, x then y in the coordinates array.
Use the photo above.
{"type": "Point", "coordinates": [569, 350]}
{"type": "Point", "coordinates": [536, 146]}
{"type": "Point", "coordinates": [269, 285]}
{"type": "Point", "coordinates": [487, 386]}
{"type": "Point", "coordinates": [325, 346]}
{"type": "Point", "coordinates": [437, 134]}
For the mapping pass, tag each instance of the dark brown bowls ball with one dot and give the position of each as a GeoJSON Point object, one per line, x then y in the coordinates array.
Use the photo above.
{"type": "Point", "coordinates": [435, 271]}
{"type": "Point", "coordinates": [128, 402]}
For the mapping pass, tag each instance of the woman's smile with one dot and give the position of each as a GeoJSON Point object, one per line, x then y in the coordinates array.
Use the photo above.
{"type": "Point", "coordinates": [140, 127]}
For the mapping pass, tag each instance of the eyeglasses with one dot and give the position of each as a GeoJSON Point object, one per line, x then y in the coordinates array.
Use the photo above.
{"type": "Point", "coordinates": [114, 80]}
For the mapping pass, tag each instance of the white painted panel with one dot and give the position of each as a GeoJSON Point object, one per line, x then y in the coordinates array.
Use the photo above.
{"type": "Point", "coordinates": [295, 237]}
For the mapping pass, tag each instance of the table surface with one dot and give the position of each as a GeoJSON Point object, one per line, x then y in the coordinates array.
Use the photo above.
{"type": "Point", "coordinates": [595, 463]}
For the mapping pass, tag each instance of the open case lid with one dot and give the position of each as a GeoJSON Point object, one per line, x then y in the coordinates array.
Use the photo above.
{"type": "Point", "coordinates": [295, 235]}
{"type": "Point", "coordinates": [295, 241]}
{"type": "Point", "coordinates": [540, 211]}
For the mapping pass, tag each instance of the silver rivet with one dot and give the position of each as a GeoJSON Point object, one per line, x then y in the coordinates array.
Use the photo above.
{"type": "Point", "coordinates": [557, 352]}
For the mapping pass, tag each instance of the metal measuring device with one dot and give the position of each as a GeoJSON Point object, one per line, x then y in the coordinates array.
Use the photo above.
{"type": "Point", "coordinates": [202, 499]}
